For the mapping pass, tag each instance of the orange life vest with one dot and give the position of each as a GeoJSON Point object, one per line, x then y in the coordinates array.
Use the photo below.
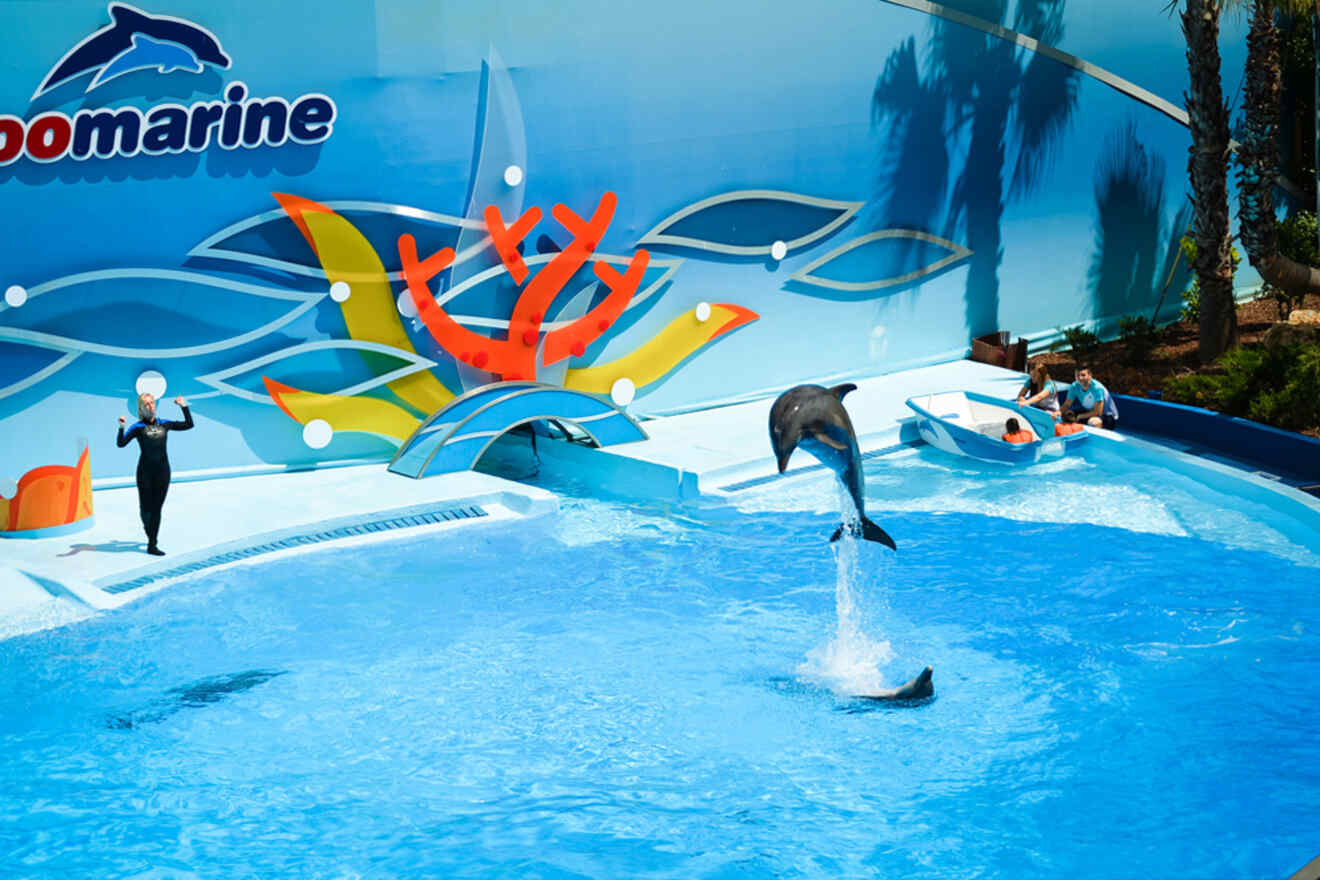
{"type": "Point", "coordinates": [1066, 429]}
{"type": "Point", "coordinates": [1019, 437]}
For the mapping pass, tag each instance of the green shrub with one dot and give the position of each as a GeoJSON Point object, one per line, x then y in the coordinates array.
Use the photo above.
{"type": "Point", "coordinates": [1297, 242]}
{"type": "Point", "coordinates": [1191, 310]}
{"type": "Point", "coordinates": [1140, 336]}
{"type": "Point", "coordinates": [1295, 405]}
{"type": "Point", "coordinates": [1279, 387]}
{"type": "Point", "coordinates": [1194, 389]}
{"type": "Point", "coordinates": [1297, 238]}
{"type": "Point", "coordinates": [1082, 344]}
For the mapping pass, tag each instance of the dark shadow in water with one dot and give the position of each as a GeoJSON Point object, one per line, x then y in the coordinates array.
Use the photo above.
{"type": "Point", "coordinates": [991, 98]}
{"type": "Point", "coordinates": [192, 696]}
{"type": "Point", "coordinates": [1136, 247]}
{"type": "Point", "coordinates": [863, 705]}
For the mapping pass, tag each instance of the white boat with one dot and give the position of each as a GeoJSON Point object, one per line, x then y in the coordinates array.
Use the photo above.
{"type": "Point", "coordinates": [971, 424]}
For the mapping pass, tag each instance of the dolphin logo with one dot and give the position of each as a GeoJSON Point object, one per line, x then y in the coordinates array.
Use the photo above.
{"type": "Point", "coordinates": [170, 44]}
{"type": "Point", "coordinates": [145, 54]}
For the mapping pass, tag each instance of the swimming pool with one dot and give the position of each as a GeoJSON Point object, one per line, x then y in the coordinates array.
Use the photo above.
{"type": "Point", "coordinates": [638, 690]}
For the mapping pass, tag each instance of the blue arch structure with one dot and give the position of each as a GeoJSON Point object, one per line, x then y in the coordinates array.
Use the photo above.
{"type": "Point", "coordinates": [455, 437]}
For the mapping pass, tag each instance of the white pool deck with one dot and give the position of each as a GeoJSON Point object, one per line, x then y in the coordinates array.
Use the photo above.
{"type": "Point", "coordinates": [704, 452]}
{"type": "Point", "coordinates": [208, 521]}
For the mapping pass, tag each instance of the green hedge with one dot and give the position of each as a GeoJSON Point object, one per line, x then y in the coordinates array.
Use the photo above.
{"type": "Point", "coordinates": [1279, 387]}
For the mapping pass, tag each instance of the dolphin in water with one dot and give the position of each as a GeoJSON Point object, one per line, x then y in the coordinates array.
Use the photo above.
{"type": "Point", "coordinates": [814, 418]}
{"type": "Point", "coordinates": [193, 696]}
{"type": "Point", "coordinates": [146, 54]}
{"type": "Point", "coordinates": [115, 39]}
{"type": "Point", "coordinates": [917, 689]}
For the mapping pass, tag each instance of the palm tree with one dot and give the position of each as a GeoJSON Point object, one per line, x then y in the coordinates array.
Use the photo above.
{"type": "Point", "coordinates": [1207, 167]}
{"type": "Point", "coordinates": [1258, 156]}
{"type": "Point", "coordinates": [997, 95]}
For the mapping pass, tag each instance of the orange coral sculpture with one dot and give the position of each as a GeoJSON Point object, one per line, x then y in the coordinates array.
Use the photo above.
{"type": "Point", "coordinates": [49, 497]}
{"type": "Point", "coordinates": [514, 357]}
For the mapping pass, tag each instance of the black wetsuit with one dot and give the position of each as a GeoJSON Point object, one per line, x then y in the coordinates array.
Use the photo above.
{"type": "Point", "coordinates": [153, 470]}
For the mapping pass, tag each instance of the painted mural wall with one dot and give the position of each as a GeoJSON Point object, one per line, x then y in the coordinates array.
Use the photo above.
{"type": "Point", "coordinates": [321, 223]}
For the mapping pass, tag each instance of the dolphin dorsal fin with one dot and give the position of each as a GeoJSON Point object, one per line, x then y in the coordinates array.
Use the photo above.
{"type": "Point", "coordinates": [840, 390]}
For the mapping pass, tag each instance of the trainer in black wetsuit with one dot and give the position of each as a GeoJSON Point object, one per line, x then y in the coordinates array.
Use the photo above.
{"type": "Point", "coordinates": [153, 470]}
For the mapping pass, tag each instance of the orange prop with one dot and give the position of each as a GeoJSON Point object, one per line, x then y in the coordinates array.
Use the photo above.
{"type": "Point", "coordinates": [514, 357]}
{"type": "Point", "coordinates": [506, 240]}
{"type": "Point", "coordinates": [574, 339]}
{"type": "Point", "coordinates": [48, 497]}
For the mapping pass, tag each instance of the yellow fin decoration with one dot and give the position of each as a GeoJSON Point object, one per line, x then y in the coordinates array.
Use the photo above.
{"type": "Point", "coordinates": [370, 312]}
{"type": "Point", "coordinates": [366, 414]}
{"type": "Point", "coordinates": [665, 351]}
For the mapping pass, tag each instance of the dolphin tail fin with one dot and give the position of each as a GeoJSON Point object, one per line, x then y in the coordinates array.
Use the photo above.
{"type": "Point", "coordinates": [126, 15]}
{"type": "Point", "coordinates": [868, 530]}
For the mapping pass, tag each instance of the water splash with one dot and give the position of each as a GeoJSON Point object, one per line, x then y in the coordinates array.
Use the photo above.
{"type": "Point", "coordinates": [849, 663]}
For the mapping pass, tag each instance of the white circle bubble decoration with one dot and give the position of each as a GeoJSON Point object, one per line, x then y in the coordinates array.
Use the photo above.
{"type": "Point", "coordinates": [703, 312]}
{"type": "Point", "coordinates": [150, 382]}
{"type": "Point", "coordinates": [407, 307]}
{"type": "Point", "coordinates": [513, 175]}
{"type": "Point", "coordinates": [778, 250]}
{"type": "Point", "coordinates": [340, 291]}
{"type": "Point", "coordinates": [623, 391]}
{"type": "Point", "coordinates": [317, 433]}
{"type": "Point", "coordinates": [8, 488]}
{"type": "Point", "coordinates": [15, 296]}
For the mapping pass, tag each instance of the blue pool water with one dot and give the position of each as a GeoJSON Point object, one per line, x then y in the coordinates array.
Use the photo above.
{"type": "Point", "coordinates": [1123, 689]}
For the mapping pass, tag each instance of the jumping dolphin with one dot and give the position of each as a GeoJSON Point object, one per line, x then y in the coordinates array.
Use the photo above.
{"type": "Point", "coordinates": [916, 689]}
{"type": "Point", "coordinates": [116, 38]}
{"type": "Point", "coordinates": [814, 418]}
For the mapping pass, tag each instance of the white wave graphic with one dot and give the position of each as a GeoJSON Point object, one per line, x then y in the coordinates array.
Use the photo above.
{"type": "Point", "coordinates": [956, 253]}
{"type": "Point", "coordinates": [658, 235]}
{"type": "Point", "coordinates": [306, 300]}
{"type": "Point", "coordinates": [211, 246]}
{"type": "Point", "coordinates": [217, 380]}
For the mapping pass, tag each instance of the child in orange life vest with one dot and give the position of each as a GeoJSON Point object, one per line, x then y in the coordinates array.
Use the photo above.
{"type": "Point", "coordinates": [1068, 425]}
{"type": "Point", "coordinates": [1015, 433]}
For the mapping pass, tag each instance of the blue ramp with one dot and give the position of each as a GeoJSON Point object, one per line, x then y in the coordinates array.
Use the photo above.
{"type": "Point", "coordinates": [455, 437]}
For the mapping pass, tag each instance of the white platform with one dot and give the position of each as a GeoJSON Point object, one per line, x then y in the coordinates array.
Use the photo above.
{"type": "Point", "coordinates": [205, 518]}
{"type": "Point", "coordinates": [700, 453]}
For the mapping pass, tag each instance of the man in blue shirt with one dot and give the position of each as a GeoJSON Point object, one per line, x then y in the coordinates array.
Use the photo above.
{"type": "Point", "coordinates": [1091, 401]}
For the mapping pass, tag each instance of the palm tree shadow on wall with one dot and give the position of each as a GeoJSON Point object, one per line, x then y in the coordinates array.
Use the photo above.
{"type": "Point", "coordinates": [1004, 106]}
{"type": "Point", "coordinates": [1136, 249]}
